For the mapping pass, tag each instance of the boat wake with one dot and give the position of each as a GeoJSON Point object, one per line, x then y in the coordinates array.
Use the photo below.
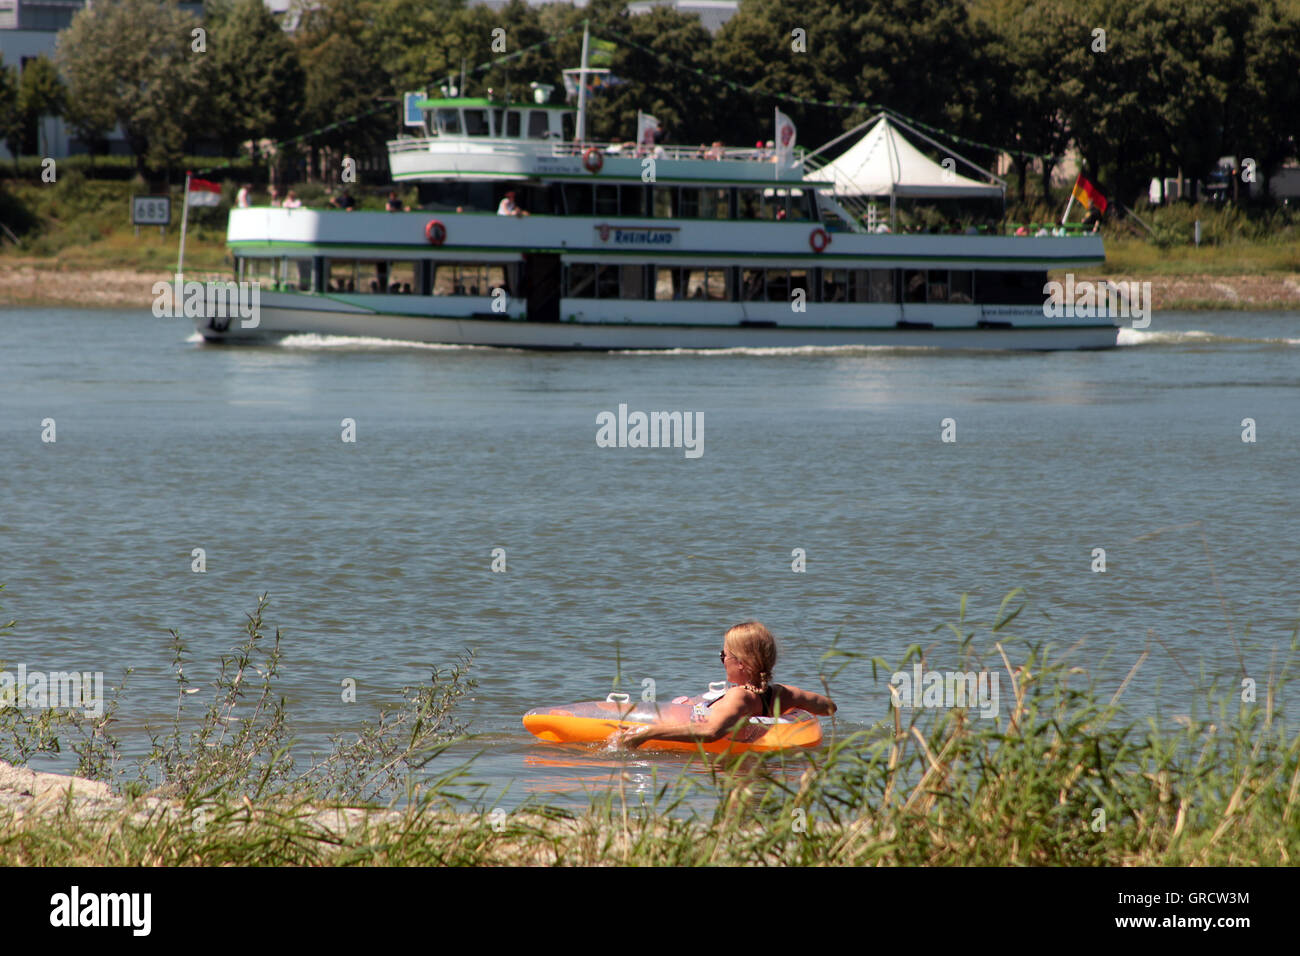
{"type": "Point", "coordinates": [784, 350]}
{"type": "Point", "coordinates": [313, 340]}
{"type": "Point", "coordinates": [1194, 337]}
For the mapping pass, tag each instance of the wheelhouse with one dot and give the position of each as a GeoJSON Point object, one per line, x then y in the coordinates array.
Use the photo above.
{"type": "Point", "coordinates": [482, 118]}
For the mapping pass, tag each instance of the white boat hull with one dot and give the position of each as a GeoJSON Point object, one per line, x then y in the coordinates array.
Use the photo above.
{"type": "Point", "coordinates": [278, 321]}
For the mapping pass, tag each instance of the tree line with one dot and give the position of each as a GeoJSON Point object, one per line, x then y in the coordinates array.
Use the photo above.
{"type": "Point", "coordinates": [1139, 87]}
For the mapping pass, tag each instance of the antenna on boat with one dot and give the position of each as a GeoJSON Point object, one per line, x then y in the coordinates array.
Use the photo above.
{"type": "Point", "coordinates": [582, 83]}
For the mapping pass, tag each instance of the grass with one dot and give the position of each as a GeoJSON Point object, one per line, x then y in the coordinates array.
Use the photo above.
{"type": "Point", "coordinates": [1128, 256]}
{"type": "Point", "coordinates": [1061, 778]}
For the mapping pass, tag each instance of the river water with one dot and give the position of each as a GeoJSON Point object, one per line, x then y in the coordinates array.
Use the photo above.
{"type": "Point", "coordinates": [628, 563]}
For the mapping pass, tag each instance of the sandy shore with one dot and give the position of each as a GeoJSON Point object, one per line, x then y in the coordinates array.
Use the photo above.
{"type": "Point", "coordinates": [38, 282]}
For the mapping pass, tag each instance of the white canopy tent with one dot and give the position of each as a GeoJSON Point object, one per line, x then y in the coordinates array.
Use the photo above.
{"type": "Point", "coordinates": [884, 163]}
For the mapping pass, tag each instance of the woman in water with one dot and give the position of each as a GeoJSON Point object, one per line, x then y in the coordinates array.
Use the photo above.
{"type": "Point", "coordinates": [749, 655]}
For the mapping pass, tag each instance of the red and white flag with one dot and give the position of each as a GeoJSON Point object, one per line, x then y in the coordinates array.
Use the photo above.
{"type": "Point", "coordinates": [204, 193]}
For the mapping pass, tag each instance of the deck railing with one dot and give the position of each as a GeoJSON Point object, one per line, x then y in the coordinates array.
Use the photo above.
{"type": "Point", "coordinates": [555, 148]}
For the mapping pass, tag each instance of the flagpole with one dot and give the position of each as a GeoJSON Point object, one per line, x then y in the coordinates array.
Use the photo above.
{"type": "Point", "coordinates": [1067, 208]}
{"type": "Point", "coordinates": [776, 142]}
{"type": "Point", "coordinates": [185, 216]}
{"type": "Point", "coordinates": [582, 87]}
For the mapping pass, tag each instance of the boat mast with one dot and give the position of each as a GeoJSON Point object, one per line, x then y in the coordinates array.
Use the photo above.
{"type": "Point", "coordinates": [582, 84]}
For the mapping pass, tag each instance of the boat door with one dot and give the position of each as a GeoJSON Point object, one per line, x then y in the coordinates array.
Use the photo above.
{"type": "Point", "coordinates": [543, 273]}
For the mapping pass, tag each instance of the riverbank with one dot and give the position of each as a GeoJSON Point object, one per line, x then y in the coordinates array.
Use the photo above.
{"type": "Point", "coordinates": [38, 281]}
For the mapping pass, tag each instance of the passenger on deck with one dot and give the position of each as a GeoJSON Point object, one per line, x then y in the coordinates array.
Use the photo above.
{"type": "Point", "coordinates": [509, 207]}
{"type": "Point", "coordinates": [291, 201]}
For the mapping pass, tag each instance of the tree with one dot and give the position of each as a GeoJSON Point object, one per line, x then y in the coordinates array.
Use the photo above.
{"type": "Point", "coordinates": [40, 93]}
{"type": "Point", "coordinates": [661, 82]}
{"type": "Point", "coordinates": [255, 82]}
{"type": "Point", "coordinates": [8, 104]}
{"type": "Point", "coordinates": [1026, 56]}
{"type": "Point", "coordinates": [1266, 126]}
{"type": "Point", "coordinates": [143, 62]}
{"type": "Point", "coordinates": [342, 79]}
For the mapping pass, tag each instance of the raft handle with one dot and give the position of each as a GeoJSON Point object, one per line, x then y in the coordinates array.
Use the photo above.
{"type": "Point", "coordinates": [616, 698]}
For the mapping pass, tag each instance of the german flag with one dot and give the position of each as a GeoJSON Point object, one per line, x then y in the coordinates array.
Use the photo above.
{"type": "Point", "coordinates": [1088, 194]}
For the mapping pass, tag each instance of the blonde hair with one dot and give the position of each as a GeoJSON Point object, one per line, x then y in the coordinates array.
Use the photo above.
{"type": "Point", "coordinates": [755, 647]}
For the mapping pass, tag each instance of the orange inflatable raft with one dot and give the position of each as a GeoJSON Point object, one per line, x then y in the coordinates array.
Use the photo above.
{"type": "Point", "coordinates": [594, 721]}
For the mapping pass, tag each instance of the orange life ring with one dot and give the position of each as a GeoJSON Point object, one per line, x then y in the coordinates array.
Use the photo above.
{"type": "Point", "coordinates": [819, 239]}
{"type": "Point", "coordinates": [593, 159]}
{"type": "Point", "coordinates": [435, 232]}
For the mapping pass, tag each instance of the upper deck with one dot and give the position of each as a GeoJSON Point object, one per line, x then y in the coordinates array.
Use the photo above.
{"type": "Point", "coordinates": [481, 139]}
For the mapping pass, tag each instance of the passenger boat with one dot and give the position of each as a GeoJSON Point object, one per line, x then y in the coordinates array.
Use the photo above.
{"type": "Point", "coordinates": [634, 247]}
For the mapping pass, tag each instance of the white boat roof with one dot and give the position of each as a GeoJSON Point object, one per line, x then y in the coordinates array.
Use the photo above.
{"type": "Point", "coordinates": [884, 163]}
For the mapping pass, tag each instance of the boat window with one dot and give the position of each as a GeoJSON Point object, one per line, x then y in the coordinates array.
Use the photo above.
{"type": "Point", "coordinates": [513, 123]}
{"type": "Point", "coordinates": [752, 284]}
{"type": "Point", "coordinates": [668, 284]}
{"type": "Point", "coordinates": [798, 209]}
{"type": "Point", "coordinates": [938, 285]}
{"type": "Point", "coordinates": [372, 275]}
{"type": "Point", "coordinates": [750, 206]}
{"type": "Point", "coordinates": [1012, 288]}
{"type": "Point", "coordinates": [631, 282]}
{"type": "Point", "coordinates": [774, 204]}
{"type": "Point", "coordinates": [449, 121]}
{"type": "Point", "coordinates": [444, 278]}
{"type": "Point", "coordinates": [835, 285]}
{"type": "Point", "coordinates": [341, 275]}
{"type": "Point", "coordinates": [913, 285]}
{"type": "Point", "coordinates": [665, 202]}
{"type": "Point", "coordinates": [567, 127]}
{"type": "Point", "coordinates": [778, 285]}
{"type": "Point", "coordinates": [577, 199]}
{"type": "Point", "coordinates": [498, 122]}
{"type": "Point", "coordinates": [689, 203]}
{"type": "Point", "coordinates": [538, 125]}
{"type": "Point", "coordinates": [715, 204]}
{"type": "Point", "coordinates": [460, 278]}
{"type": "Point", "coordinates": [496, 279]}
{"type": "Point", "coordinates": [713, 284]}
{"type": "Point", "coordinates": [960, 286]}
{"type": "Point", "coordinates": [265, 271]}
{"type": "Point", "coordinates": [300, 274]}
{"type": "Point", "coordinates": [799, 283]}
{"type": "Point", "coordinates": [581, 283]}
{"type": "Point", "coordinates": [606, 200]}
{"type": "Point", "coordinates": [476, 123]}
{"type": "Point", "coordinates": [884, 285]}
{"type": "Point", "coordinates": [632, 200]}
{"type": "Point", "coordinates": [401, 277]}
{"type": "Point", "coordinates": [473, 279]}
{"type": "Point", "coordinates": [607, 282]}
